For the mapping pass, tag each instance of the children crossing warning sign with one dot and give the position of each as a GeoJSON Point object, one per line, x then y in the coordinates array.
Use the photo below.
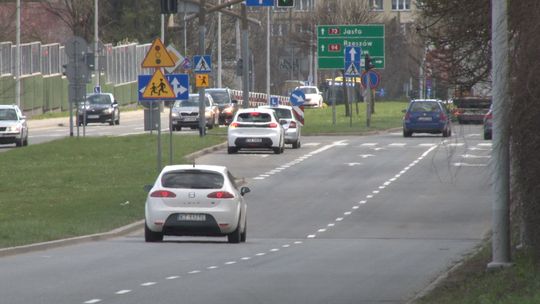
{"type": "Point", "coordinates": [157, 56]}
{"type": "Point", "coordinates": [159, 87]}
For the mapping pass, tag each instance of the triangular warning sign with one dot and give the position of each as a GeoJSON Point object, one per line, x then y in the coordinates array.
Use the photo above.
{"type": "Point", "coordinates": [352, 70]}
{"type": "Point", "coordinates": [158, 87]}
{"type": "Point", "coordinates": [157, 56]}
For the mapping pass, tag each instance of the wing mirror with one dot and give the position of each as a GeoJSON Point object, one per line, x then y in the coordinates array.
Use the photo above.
{"type": "Point", "coordinates": [244, 190]}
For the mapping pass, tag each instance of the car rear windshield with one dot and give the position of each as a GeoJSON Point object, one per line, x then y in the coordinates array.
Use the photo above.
{"type": "Point", "coordinates": [99, 99]}
{"type": "Point", "coordinates": [472, 103]}
{"type": "Point", "coordinates": [421, 106]}
{"type": "Point", "coordinates": [254, 117]}
{"type": "Point", "coordinates": [308, 90]}
{"type": "Point", "coordinates": [283, 113]}
{"type": "Point", "coordinates": [192, 179]}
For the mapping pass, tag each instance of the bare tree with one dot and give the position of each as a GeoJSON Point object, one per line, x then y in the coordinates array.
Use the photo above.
{"type": "Point", "coordinates": [76, 14]}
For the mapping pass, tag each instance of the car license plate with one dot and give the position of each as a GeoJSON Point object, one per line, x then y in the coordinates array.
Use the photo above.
{"type": "Point", "coordinates": [189, 118]}
{"type": "Point", "coordinates": [253, 140]}
{"type": "Point", "coordinates": [425, 119]}
{"type": "Point", "coordinates": [192, 217]}
{"type": "Point", "coordinates": [93, 116]}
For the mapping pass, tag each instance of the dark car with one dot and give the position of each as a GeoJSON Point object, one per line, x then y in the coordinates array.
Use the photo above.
{"type": "Point", "coordinates": [471, 109]}
{"type": "Point", "coordinates": [227, 106]}
{"type": "Point", "coordinates": [488, 124]}
{"type": "Point", "coordinates": [426, 116]}
{"type": "Point", "coordinates": [100, 108]}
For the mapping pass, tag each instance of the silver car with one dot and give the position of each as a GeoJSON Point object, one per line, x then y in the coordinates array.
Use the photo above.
{"type": "Point", "coordinates": [185, 113]}
{"type": "Point", "coordinates": [13, 126]}
{"type": "Point", "coordinates": [293, 128]}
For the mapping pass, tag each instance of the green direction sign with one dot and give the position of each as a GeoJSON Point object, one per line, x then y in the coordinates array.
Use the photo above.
{"type": "Point", "coordinates": [332, 39]}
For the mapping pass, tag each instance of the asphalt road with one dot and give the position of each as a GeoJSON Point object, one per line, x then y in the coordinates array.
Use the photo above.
{"type": "Point", "coordinates": [360, 219]}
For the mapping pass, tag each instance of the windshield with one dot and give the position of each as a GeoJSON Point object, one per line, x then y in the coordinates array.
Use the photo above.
{"type": "Point", "coordinates": [8, 114]}
{"type": "Point", "coordinates": [421, 106]}
{"type": "Point", "coordinates": [472, 103]}
{"type": "Point", "coordinates": [99, 99]}
{"type": "Point", "coordinates": [283, 113]}
{"type": "Point", "coordinates": [308, 90]}
{"type": "Point", "coordinates": [192, 179]}
{"type": "Point", "coordinates": [220, 97]}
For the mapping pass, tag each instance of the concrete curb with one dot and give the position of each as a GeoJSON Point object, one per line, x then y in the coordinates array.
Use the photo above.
{"type": "Point", "coordinates": [72, 241]}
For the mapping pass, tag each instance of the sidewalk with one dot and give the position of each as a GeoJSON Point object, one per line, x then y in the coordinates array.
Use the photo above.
{"type": "Point", "coordinates": [64, 121]}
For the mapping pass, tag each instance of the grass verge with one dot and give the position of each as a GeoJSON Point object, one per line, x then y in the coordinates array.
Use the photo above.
{"type": "Point", "coordinates": [79, 186]}
{"type": "Point", "coordinates": [472, 283]}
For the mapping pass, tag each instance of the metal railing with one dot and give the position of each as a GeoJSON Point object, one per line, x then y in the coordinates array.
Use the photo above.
{"type": "Point", "coordinates": [121, 64]}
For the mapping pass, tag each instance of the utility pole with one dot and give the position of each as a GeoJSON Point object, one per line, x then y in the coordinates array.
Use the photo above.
{"type": "Point", "coordinates": [18, 57]}
{"type": "Point", "coordinates": [96, 42]}
{"type": "Point", "coordinates": [202, 101]}
{"type": "Point", "coordinates": [245, 58]}
{"type": "Point", "coordinates": [501, 135]}
{"type": "Point", "coordinates": [268, 31]}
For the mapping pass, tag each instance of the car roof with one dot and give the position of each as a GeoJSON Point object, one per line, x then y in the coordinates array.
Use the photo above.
{"type": "Point", "coordinates": [263, 110]}
{"type": "Point", "coordinates": [8, 106]}
{"type": "Point", "coordinates": [426, 100]}
{"type": "Point", "coordinates": [220, 169]}
{"type": "Point", "coordinates": [217, 89]}
{"type": "Point", "coordinates": [279, 107]}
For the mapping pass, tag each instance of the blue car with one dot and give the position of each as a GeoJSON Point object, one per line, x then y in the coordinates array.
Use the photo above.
{"type": "Point", "coordinates": [426, 116]}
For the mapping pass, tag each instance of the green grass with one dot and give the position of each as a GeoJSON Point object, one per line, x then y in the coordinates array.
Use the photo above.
{"type": "Point", "coordinates": [472, 283]}
{"type": "Point", "coordinates": [73, 187]}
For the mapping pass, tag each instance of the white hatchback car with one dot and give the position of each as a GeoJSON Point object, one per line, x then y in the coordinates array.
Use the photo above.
{"type": "Point", "coordinates": [293, 128]}
{"type": "Point", "coordinates": [313, 96]}
{"type": "Point", "coordinates": [195, 200]}
{"type": "Point", "coordinates": [255, 128]}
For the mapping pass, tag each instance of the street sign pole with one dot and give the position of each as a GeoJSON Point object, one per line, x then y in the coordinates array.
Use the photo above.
{"type": "Point", "coordinates": [202, 101]}
{"type": "Point", "coordinates": [368, 101]}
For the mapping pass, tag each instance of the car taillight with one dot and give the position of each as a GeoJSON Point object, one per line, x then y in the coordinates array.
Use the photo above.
{"type": "Point", "coordinates": [163, 193]}
{"type": "Point", "coordinates": [273, 125]}
{"type": "Point", "coordinates": [234, 125]}
{"type": "Point", "coordinates": [292, 124]}
{"type": "Point", "coordinates": [220, 194]}
{"type": "Point", "coordinates": [407, 116]}
{"type": "Point", "coordinates": [442, 116]}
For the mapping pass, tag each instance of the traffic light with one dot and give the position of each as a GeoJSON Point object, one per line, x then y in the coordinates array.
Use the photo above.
{"type": "Point", "coordinates": [239, 67]}
{"type": "Point", "coordinates": [285, 3]}
{"type": "Point", "coordinates": [169, 7]}
{"type": "Point", "coordinates": [368, 65]}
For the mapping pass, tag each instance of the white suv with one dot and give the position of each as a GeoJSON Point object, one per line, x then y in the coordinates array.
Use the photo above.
{"type": "Point", "coordinates": [13, 126]}
{"type": "Point", "coordinates": [256, 128]}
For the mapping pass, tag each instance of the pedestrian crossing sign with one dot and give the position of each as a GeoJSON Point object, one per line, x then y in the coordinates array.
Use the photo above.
{"type": "Point", "coordinates": [157, 56]}
{"type": "Point", "coordinates": [158, 87]}
{"type": "Point", "coordinates": [203, 64]}
{"type": "Point", "coordinates": [202, 81]}
{"type": "Point", "coordinates": [352, 70]}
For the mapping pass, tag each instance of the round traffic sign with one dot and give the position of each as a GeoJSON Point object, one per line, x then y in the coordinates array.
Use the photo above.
{"type": "Point", "coordinates": [374, 79]}
{"type": "Point", "coordinates": [297, 98]}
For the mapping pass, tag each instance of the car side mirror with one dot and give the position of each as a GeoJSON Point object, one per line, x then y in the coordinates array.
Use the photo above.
{"type": "Point", "coordinates": [147, 188]}
{"type": "Point", "coordinates": [23, 117]}
{"type": "Point", "coordinates": [234, 101]}
{"type": "Point", "coordinates": [282, 122]}
{"type": "Point", "coordinates": [244, 190]}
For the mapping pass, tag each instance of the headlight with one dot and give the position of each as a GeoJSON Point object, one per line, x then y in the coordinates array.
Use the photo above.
{"type": "Point", "coordinates": [108, 111]}
{"type": "Point", "coordinates": [174, 114]}
{"type": "Point", "coordinates": [15, 128]}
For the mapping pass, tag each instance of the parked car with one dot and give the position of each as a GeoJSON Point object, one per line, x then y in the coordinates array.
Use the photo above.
{"type": "Point", "coordinates": [426, 116]}
{"type": "Point", "coordinates": [471, 109]}
{"type": "Point", "coordinates": [227, 106]}
{"type": "Point", "coordinates": [254, 128]}
{"type": "Point", "coordinates": [195, 200]}
{"type": "Point", "coordinates": [314, 97]}
{"type": "Point", "coordinates": [100, 108]}
{"type": "Point", "coordinates": [488, 124]}
{"type": "Point", "coordinates": [293, 128]}
{"type": "Point", "coordinates": [185, 113]}
{"type": "Point", "coordinates": [13, 126]}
